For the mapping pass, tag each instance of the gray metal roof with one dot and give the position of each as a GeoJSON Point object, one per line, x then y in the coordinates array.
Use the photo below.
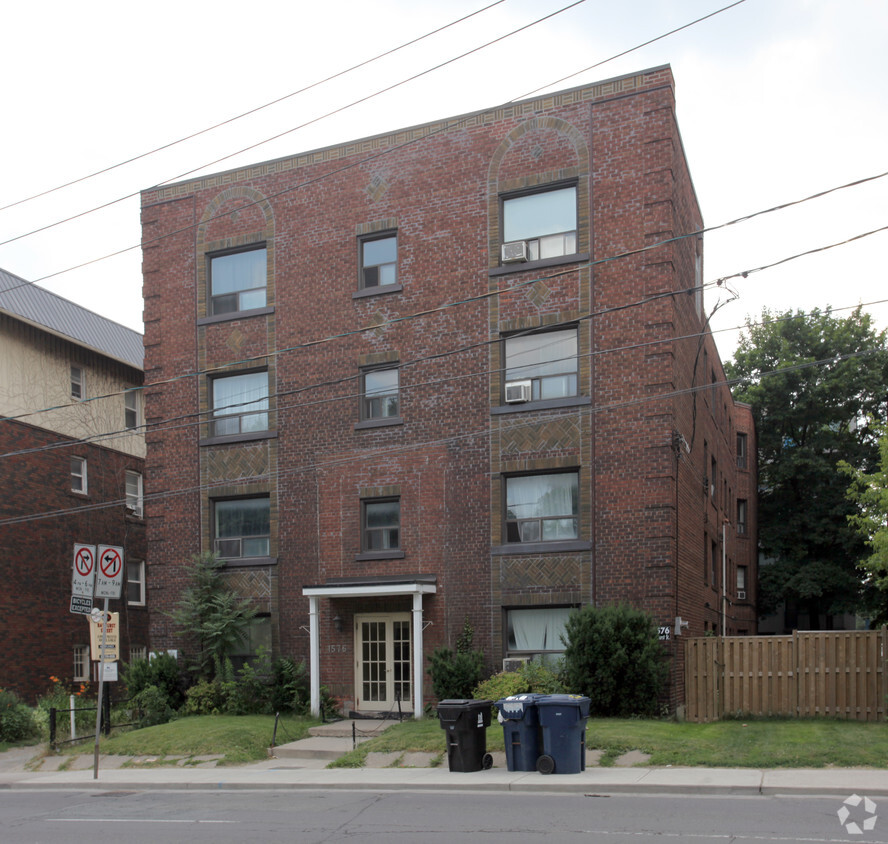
{"type": "Point", "coordinates": [26, 301]}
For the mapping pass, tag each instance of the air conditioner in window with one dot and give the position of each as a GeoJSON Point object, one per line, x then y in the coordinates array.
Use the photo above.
{"type": "Point", "coordinates": [517, 391]}
{"type": "Point", "coordinates": [514, 663]}
{"type": "Point", "coordinates": [514, 252]}
{"type": "Point", "coordinates": [741, 594]}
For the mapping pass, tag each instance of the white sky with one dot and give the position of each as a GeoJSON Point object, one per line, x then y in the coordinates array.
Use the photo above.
{"type": "Point", "coordinates": [777, 100]}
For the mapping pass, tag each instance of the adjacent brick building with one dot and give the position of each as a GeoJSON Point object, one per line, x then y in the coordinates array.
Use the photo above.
{"type": "Point", "coordinates": [461, 370]}
{"type": "Point", "coordinates": [71, 468]}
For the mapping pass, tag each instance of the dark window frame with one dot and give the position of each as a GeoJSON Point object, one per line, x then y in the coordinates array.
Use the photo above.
{"type": "Point", "coordinates": [550, 187]}
{"type": "Point", "coordinates": [537, 380]}
{"type": "Point", "coordinates": [213, 419]}
{"type": "Point", "coordinates": [229, 313]}
{"type": "Point", "coordinates": [363, 274]}
{"type": "Point", "coordinates": [216, 539]}
{"type": "Point", "coordinates": [365, 401]}
{"type": "Point", "coordinates": [367, 544]}
{"type": "Point", "coordinates": [512, 527]}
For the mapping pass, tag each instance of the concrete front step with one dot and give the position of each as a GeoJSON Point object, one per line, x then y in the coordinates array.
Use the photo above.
{"type": "Point", "coordinates": [368, 727]}
{"type": "Point", "coordinates": [330, 741]}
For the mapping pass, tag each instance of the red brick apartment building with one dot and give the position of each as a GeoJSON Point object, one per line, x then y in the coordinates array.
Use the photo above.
{"type": "Point", "coordinates": [461, 370]}
{"type": "Point", "coordinates": [71, 467]}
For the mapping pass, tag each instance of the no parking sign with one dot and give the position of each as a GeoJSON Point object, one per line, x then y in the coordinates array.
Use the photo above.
{"type": "Point", "coordinates": [109, 571]}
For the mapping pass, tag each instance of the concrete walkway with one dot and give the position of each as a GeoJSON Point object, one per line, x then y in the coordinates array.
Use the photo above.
{"type": "Point", "coordinates": [25, 768]}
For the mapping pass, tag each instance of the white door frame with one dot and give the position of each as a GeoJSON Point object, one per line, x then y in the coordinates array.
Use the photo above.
{"type": "Point", "coordinates": [417, 588]}
{"type": "Point", "coordinates": [388, 703]}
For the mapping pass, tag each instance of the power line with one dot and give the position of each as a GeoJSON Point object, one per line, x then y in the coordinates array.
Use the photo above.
{"type": "Point", "coordinates": [296, 128]}
{"type": "Point", "coordinates": [251, 111]}
{"type": "Point", "coordinates": [446, 127]}
{"type": "Point", "coordinates": [482, 433]}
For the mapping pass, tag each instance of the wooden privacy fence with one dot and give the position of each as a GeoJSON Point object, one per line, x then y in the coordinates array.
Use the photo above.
{"type": "Point", "coordinates": [840, 674]}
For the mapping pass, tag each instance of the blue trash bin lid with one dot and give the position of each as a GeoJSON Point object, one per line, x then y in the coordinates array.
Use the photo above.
{"type": "Point", "coordinates": [515, 707]}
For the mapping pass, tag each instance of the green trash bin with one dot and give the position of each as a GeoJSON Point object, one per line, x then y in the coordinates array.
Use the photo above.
{"type": "Point", "coordinates": [563, 730]}
{"type": "Point", "coordinates": [465, 724]}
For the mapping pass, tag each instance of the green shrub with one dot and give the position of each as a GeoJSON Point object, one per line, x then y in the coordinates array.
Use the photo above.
{"type": "Point", "coordinates": [614, 657]}
{"type": "Point", "coordinates": [17, 722]}
{"type": "Point", "coordinates": [153, 706]}
{"type": "Point", "coordinates": [162, 672]}
{"type": "Point", "coordinates": [59, 697]}
{"type": "Point", "coordinates": [455, 673]}
{"type": "Point", "coordinates": [290, 690]}
{"type": "Point", "coordinates": [533, 676]}
{"type": "Point", "coordinates": [204, 698]}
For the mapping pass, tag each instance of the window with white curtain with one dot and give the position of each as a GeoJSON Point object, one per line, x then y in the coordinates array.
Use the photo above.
{"type": "Point", "coordinates": [542, 508]}
{"type": "Point", "coordinates": [240, 404]}
{"type": "Point", "coordinates": [537, 630]}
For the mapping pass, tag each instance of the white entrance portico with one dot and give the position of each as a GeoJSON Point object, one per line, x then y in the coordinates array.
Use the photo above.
{"type": "Point", "coordinates": [382, 586]}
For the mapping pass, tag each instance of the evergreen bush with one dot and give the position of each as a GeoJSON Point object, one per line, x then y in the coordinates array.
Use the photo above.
{"type": "Point", "coordinates": [614, 657]}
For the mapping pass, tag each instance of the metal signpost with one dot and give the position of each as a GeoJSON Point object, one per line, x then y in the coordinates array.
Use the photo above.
{"type": "Point", "coordinates": [83, 577]}
{"type": "Point", "coordinates": [109, 582]}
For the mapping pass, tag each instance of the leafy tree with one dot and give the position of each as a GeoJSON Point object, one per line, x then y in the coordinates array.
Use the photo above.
{"type": "Point", "coordinates": [212, 613]}
{"type": "Point", "coordinates": [812, 381]}
{"type": "Point", "coordinates": [869, 492]}
{"type": "Point", "coordinates": [614, 657]}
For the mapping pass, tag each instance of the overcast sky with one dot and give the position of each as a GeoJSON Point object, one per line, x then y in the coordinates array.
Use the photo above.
{"type": "Point", "coordinates": [777, 100]}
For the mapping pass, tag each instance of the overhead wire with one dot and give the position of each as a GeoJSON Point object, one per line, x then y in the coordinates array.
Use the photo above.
{"type": "Point", "coordinates": [446, 126]}
{"type": "Point", "coordinates": [254, 110]}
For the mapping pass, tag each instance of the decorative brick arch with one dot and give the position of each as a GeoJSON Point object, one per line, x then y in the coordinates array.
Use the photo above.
{"type": "Point", "coordinates": [235, 217]}
{"type": "Point", "coordinates": [561, 153]}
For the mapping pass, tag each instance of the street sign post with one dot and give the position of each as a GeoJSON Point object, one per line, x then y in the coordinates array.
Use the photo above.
{"type": "Point", "coordinates": [109, 571]}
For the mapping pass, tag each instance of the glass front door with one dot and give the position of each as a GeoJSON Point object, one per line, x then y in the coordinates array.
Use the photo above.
{"type": "Point", "coordinates": [383, 670]}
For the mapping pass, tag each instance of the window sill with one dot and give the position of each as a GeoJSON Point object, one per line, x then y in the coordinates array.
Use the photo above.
{"type": "Point", "coordinates": [367, 556]}
{"type": "Point", "coordinates": [364, 292]}
{"type": "Point", "coordinates": [245, 562]}
{"type": "Point", "coordinates": [526, 548]}
{"type": "Point", "coordinates": [520, 267]}
{"type": "Point", "coordinates": [239, 438]}
{"type": "Point", "coordinates": [545, 404]}
{"type": "Point", "coordinates": [378, 423]}
{"type": "Point", "coordinates": [253, 312]}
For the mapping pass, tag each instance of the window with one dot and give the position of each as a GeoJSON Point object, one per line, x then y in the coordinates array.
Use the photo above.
{"type": "Point", "coordinates": [256, 640]}
{"type": "Point", "coordinates": [741, 516]}
{"type": "Point", "coordinates": [138, 652]}
{"type": "Point", "coordinates": [78, 475]}
{"type": "Point", "coordinates": [381, 525]}
{"type": "Point", "coordinates": [237, 281]}
{"type": "Point", "coordinates": [379, 261]}
{"type": "Point", "coordinates": [537, 631]}
{"type": "Point", "coordinates": [547, 359]}
{"type": "Point", "coordinates": [135, 583]}
{"type": "Point", "coordinates": [542, 508]}
{"type": "Point", "coordinates": [742, 445]}
{"type": "Point", "coordinates": [240, 404]}
{"type": "Point", "coordinates": [81, 663]}
{"type": "Point", "coordinates": [713, 477]}
{"type": "Point", "coordinates": [242, 527]}
{"type": "Point", "coordinates": [713, 563]}
{"type": "Point", "coordinates": [134, 499]}
{"type": "Point", "coordinates": [380, 394]}
{"type": "Point", "coordinates": [741, 579]}
{"type": "Point", "coordinates": [131, 409]}
{"type": "Point", "coordinates": [545, 221]}
{"type": "Point", "coordinates": [77, 383]}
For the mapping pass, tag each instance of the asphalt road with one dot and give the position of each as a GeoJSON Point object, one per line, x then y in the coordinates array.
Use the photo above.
{"type": "Point", "coordinates": [365, 817]}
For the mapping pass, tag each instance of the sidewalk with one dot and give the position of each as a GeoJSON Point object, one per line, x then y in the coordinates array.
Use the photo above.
{"type": "Point", "coordinates": [284, 774]}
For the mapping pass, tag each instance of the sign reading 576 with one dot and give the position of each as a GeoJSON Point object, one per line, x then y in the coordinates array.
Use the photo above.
{"type": "Point", "coordinates": [109, 571]}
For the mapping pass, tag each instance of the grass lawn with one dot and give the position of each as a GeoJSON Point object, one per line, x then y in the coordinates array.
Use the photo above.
{"type": "Point", "coordinates": [762, 743]}
{"type": "Point", "coordinates": [755, 743]}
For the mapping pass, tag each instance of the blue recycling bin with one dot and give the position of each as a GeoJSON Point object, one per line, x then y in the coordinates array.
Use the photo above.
{"type": "Point", "coordinates": [521, 731]}
{"type": "Point", "coordinates": [563, 731]}
{"type": "Point", "coordinates": [465, 723]}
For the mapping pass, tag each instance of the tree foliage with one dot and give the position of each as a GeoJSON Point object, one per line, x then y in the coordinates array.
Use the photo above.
{"type": "Point", "coordinates": [614, 657]}
{"type": "Point", "coordinates": [215, 616]}
{"type": "Point", "coordinates": [812, 381]}
{"type": "Point", "coordinates": [456, 673]}
{"type": "Point", "coordinates": [869, 492]}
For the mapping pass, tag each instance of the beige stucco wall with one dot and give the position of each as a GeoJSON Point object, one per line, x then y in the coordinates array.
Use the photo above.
{"type": "Point", "coordinates": [35, 375]}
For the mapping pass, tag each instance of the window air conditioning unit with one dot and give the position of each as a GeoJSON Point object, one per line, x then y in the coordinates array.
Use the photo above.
{"type": "Point", "coordinates": [514, 252]}
{"type": "Point", "coordinates": [514, 663]}
{"type": "Point", "coordinates": [741, 594]}
{"type": "Point", "coordinates": [517, 391]}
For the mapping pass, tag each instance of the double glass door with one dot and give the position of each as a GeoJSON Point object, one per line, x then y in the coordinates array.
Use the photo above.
{"type": "Point", "coordinates": [383, 670]}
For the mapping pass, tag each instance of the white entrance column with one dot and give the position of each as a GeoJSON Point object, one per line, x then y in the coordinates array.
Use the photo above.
{"type": "Point", "coordinates": [314, 646]}
{"type": "Point", "coordinates": [417, 656]}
